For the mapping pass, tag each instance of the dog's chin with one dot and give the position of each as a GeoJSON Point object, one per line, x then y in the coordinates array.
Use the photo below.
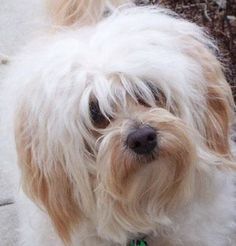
{"type": "Point", "coordinates": [133, 189]}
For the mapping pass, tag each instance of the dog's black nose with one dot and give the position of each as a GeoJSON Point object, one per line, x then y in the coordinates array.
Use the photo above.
{"type": "Point", "coordinates": [143, 140]}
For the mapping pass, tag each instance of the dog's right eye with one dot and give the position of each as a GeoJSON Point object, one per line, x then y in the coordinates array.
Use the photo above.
{"type": "Point", "coordinates": [98, 119]}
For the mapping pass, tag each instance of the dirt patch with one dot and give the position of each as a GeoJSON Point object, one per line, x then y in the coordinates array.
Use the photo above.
{"type": "Point", "coordinates": [219, 19]}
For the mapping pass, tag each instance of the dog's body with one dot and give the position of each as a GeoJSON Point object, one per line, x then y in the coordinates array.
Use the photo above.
{"type": "Point", "coordinates": [203, 223]}
{"type": "Point", "coordinates": [122, 130]}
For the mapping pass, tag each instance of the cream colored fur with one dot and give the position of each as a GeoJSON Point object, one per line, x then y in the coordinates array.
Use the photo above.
{"type": "Point", "coordinates": [81, 184]}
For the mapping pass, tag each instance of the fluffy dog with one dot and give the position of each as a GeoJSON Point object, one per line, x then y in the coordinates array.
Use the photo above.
{"type": "Point", "coordinates": [122, 131]}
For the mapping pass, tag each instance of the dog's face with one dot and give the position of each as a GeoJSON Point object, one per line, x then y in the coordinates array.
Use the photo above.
{"type": "Point", "coordinates": [113, 132]}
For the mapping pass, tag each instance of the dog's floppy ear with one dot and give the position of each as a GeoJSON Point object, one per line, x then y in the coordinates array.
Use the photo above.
{"type": "Point", "coordinates": [219, 100]}
{"type": "Point", "coordinates": [219, 114]}
{"type": "Point", "coordinates": [44, 177]}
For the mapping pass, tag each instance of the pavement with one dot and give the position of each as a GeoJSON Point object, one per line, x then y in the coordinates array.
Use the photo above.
{"type": "Point", "coordinates": [20, 21]}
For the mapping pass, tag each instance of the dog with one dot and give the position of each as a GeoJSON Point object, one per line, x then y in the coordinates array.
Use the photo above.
{"type": "Point", "coordinates": [121, 117]}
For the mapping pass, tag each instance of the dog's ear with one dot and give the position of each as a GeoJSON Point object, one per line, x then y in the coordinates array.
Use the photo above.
{"type": "Point", "coordinates": [219, 100]}
{"type": "Point", "coordinates": [218, 114]}
{"type": "Point", "coordinates": [44, 177]}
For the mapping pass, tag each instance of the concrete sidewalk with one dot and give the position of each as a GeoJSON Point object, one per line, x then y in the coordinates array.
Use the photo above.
{"type": "Point", "coordinates": [19, 22]}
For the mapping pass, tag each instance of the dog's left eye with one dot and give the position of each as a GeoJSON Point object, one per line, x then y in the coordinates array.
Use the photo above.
{"type": "Point", "coordinates": [98, 119]}
{"type": "Point", "coordinates": [157, 94]}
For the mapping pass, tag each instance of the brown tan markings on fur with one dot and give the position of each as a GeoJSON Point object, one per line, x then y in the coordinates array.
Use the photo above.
{"type": "Point", "coordinates": [49, 188]}
{"type": "Point", "coordinates": [219, 99]}
{"type": "Point", "coordinates": [174, 162]}
{"type": "Point", "coordinates": [176, 149]}
{"type": "Point", "coordinates": [122, 167]}
{"type": "Point", "coordinates": [218, 122]}
{"type": "Point", "coordinates": [165, 183]}
{"type": "Point", "coordinates": [69, 12]}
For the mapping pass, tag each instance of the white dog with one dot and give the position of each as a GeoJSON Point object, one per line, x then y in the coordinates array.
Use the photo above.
{"type": "Point", "coordinates": [122, 130]}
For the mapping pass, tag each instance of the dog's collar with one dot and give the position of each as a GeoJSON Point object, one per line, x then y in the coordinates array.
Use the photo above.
{"type": "Point", "coordinates": [138, 242]}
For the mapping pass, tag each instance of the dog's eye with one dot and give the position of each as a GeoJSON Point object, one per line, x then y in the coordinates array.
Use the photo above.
{"type": "Point", "coordinates": [158, 96]}
{"type": "Point", "coordinates": [142, 102]}
{"type": "Point", "coordinates": [98, 119]}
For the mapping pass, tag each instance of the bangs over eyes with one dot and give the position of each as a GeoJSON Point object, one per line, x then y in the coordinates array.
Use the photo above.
{"type": "Point", "coordinates": [148, 96]}
{"type": "Point", "coordinates": [157, 96]}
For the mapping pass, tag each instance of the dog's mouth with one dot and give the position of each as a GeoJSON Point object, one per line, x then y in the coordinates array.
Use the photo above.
{"type": "Point", "coordinates": [147, 158]}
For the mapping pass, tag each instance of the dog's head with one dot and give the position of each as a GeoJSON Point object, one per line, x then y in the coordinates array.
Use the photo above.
{"type": "Point", "coordinates": [111, 123]}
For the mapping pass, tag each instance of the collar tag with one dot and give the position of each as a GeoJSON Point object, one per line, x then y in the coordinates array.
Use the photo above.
{"type": "Point", "coordinates": [138, 243]}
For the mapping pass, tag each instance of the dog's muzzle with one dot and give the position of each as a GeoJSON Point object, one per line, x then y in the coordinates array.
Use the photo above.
{"type": "Point", "coordinates": [142, 140]}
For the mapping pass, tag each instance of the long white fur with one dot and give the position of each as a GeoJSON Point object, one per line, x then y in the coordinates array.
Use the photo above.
{"type": "Point", "coordinates": [56, 75]}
